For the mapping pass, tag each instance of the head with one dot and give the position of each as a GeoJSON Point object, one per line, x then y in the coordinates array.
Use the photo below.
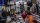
{"type": "Point", "coordinates": [34, 21]}
{"type": "Point", "coordinates": [23, 11]}
{"type": "Point", "coordinates": [29, 13]}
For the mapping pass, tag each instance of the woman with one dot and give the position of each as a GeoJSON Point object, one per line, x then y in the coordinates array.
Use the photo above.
{"type": "Point", "coordinates": [24, 15]}
{"type": "Point", "coordinates": [30, 18]}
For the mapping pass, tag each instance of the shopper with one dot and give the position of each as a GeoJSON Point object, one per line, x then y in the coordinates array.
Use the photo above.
{"type": "Point", "coordinates": [21, 7]}
{"type": "Point", "coordinates": [24, 15]}
{"type": "Point", "coordinates": [4, 16]}
{"type": "Point", "coordinates": [30, 17]}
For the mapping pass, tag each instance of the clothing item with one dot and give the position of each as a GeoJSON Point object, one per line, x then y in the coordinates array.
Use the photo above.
{"type": "Point", "coordinates": [24, 15]}
{"type": "Point", "coordinates": [30, 18]}
{"type": "Point", "coordinates": [4, 14]}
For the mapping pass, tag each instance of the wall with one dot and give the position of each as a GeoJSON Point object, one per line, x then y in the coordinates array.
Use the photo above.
{"type": "Point", "coordinates": [33, 1]}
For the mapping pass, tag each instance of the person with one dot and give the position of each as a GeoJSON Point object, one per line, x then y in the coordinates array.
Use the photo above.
{"type": "Point", "coordinates": [15, 13]}
{"type": "Point", "coordinates": [33, 9]}
{"type": "Point", "coordinates": [4, 16]}
{"type": "Point", "coordinates": [21, 7]}
{"type": "Point", "coordinates": [0, 19]}
{"type": "Point", "coordinates": [13, 16]}
{"type": "Point", "coordinates": [37, 8]}
{"type": "Point", "coordinates": [30, 18]}
{"type": "Point", "coordinates": [24, 15]}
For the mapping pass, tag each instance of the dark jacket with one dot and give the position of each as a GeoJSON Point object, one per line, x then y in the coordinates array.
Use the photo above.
{"type": "Point", "coordinates": [0, 18]}
{"type": "Point", "coordinates": [4, 13]}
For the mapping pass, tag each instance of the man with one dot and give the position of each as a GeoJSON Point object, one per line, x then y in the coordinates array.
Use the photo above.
{"type": "Point", "coordinates": [4, 16]}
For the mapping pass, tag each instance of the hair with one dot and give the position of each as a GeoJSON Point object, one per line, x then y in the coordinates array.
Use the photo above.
{"type": "Point", "coordinates": [29, 13]}
{"type": "Point", "coordinates": [34, 21]}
